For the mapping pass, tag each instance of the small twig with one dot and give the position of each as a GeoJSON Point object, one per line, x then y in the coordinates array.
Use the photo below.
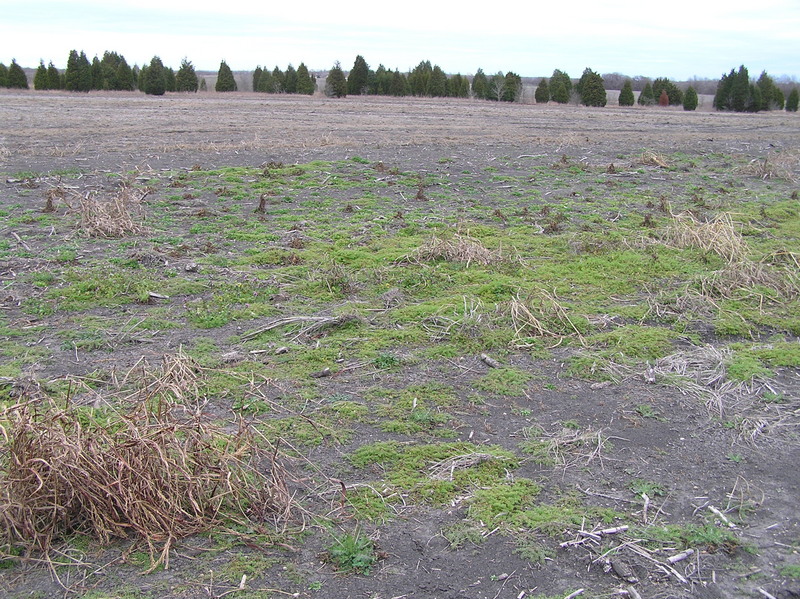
{"type": "Point", "coordinates": [680, 556]}
{"type": "Point", "coordinates": [575, 594]}
{"type": "Point", "coordinates": [765, 593]}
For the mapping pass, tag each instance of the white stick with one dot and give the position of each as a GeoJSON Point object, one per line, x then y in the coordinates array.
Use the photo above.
{"type": "Point", "coordinates": [721, 516]}
{"type": "Point", "coordinates": [767, 595]}
{"type": "Point", "coordinates": [580, 592]}
{"type": "Point", "coordinates": [680, 556]}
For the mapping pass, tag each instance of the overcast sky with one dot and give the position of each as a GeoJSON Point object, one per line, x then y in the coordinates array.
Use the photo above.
{"type": "Point", "coordinates": [673, 38]}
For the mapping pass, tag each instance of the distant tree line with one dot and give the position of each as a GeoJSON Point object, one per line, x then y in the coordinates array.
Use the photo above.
{"type": "Point", "coordinates": [735, 91]}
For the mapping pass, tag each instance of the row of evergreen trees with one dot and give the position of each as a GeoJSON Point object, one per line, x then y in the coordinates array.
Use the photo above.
{"type": "Point", "coordinates": [735, 91]}
{"type": "Point", "coordinates": [290, 81]}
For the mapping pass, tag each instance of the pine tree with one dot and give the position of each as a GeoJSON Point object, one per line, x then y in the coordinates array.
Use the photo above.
{"type": "Point", "coordinates": [399, 86]}
{"type": "Point", "coordinates": [771, 95]}
{"type": "Point", "coordinates": [203, 87]}
{"type": "Point", "coordinates": [40, 79]}
{"type": "Point", "coordinates": [290, 80]}
{"type": "Point", "coordinates": [169, 79]}
{"type": "Point", "coordinates": [276, 81]}
{"type": "Point", "coordinates": [17, 79]}
{"type": "Point", "coordinates": [735, 92]}
{"type": "Point", "coordinates": [513, 87]}
{"type": "Point", "coordinates": [690, 99]}
{"type": "Point", "coordinates": [256, 76]}
{"type": "Point", "coordinates": [419, 79]}
{"type": "Point", "coordinates": [437, 84]}
{"type": "Point", "coordinates": [626, 94]}
{"type": "Point", "coordinates": [3, 75]}
{"type": "Point", "coordinates": [154, 83]}
{"type": "Point", "coordinates": [560, 87]}
{"type": "Point", "coordinates": [542, 94]}
{"type": "Point", "coordinates": [306, 83]}
{"type": "Point", "coordinates": [336, 83]}
{"type": "Point", "coordinates": [591, 89]}
{"type": "Point", "coordinates": [53, 77]}
{"type": "Point", "coordinates": [663, 98]}
{"type": "Point", "coordinates": [97, 74]}
{"type": "Point", "coordinates": [186, 78]}
{"type": "Point", "coordinates": [126, 77]}
{"type": "Point", "coordinates": [358, 78]}
{"type": "Point", "coordinates": [646, 97]}
{"type": "Point", "coordinates": [480, 85]}
{"type": "Point", "coordinates": [792, 100]}
{"type": "Point", "coordinates": [225, 80]}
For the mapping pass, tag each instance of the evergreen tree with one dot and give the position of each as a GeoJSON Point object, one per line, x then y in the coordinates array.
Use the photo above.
{"type": "Point", "coordinates": [358, 78]}
{"type": "Point", "coordinates": [256, 77]}
{"type": "Point", "coordinates": [290, 80]}
{"type": "Point", "coordinates": [203, 87]}
{"type": "Point", "coordinates": [53, 77]}
{"type": "Point", "coordinates": [458, 86]}
{"type": "Point", "coordinates": [3, 75]}
{"type": "Point", "coordinates": [419, 79]}
{"type": "Point", "coordinates": [771, 95]}
{"type": "Point", "coordinates": [513, 88]}
{"type": "Point", "coordinates": [169, 79]}
{"type": "Point", "coordinates": [792, 100]}
{"type": "Point", "coordinates": [336, 83]}
{"type": "Point", "coordinates": [381, 82]}
{"type": "Point", "coordinates": [306, 83]}
{"type": "Point", "coordinates": [84, 72]}
{"type": "Point", "coordinates": [126, 77]}
{"type": "Point", "coordinates": [276, 79]}
{"type": "Point", "coordinates": [690, 99]}
{"type": "Point", "coordinates": [497, 86]}
{"type": "Point", "coordinates": [97, 74]}
{"type": "Point", "coordinates": [542, 94]}
{"type": "Point", "coordinates": [674, 94]}
{"type": "Point", "coordinates": [17, 79]}
{"type": "Point", "coordinates": [480, 85]}
{"type": "Point", "coordinates": [73, 77]}
{"type": "Point", "coordinates": [399, 85]}
{"type": "Point", "coordinates": [186, 78]}
{"type": "Point", "coordinates": [40, 79]}
{"type": "Point", "coordinates": [646, 97]}
{"type": "Point", "coordinates": [437, 84]}
{"type": "Point", "coordinates": [591, 89]}
{"type": "Point", "coordinates": [225, 80]}
{"type": "Point", "coordinates": [626, 94]}
{"type": "Point", "coordinates": [154, 77]}
{"type": "Point", "coordinates": [560, 87]}
{"type": "Point", "coordinates": [735, 92]}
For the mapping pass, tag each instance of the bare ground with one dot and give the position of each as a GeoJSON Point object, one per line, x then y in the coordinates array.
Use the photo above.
{"type": "Point", "coordinates": [685, 446]}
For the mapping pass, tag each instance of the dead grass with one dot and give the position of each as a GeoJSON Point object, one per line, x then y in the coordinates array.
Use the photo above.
{"type": "Point", "coordinates": [157, 475]}
{"type": "Point", "coordinates": [541, 315]}
{"type": "Point", "coordinates": [718, 236]}
{"type": "Point", "coordinates": [112, 217]}
{"type": "Point", "coordinates": [749, 275]}
{"type": "Point", "coordinates": [649, 158]}
{"type": "Point", "coordinates": [460, 248]}
{"type": "Point", "coordinates": [776, 165]}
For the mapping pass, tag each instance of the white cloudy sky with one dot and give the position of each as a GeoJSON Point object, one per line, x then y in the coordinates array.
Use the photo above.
{"type": "Point", "coordinates": [674, 38]}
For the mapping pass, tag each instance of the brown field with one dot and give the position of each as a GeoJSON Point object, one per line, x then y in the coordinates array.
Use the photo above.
{"type": "Point", "coordinates": [665, 457]}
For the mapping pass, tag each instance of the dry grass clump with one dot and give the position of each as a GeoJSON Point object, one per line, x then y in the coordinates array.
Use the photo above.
{"type": "Point", "coordinates": [776, 165]}
{"type": "Point", "coordinates": [113, 217]}
{"type": "Point", "coordinates": [648, 158]}
{"type": "Point", "coordinates": [459, 248]}
{"type": "Point", "coordinates": [718, 236]}
{"type": "Point", "coordinates": [541, 316]}
{"type": "Point", "coordinates": [746, 274]}
{"type": "Point", "coordinates": [158, 475]}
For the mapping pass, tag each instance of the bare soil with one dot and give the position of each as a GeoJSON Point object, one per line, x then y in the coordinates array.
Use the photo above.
{"type": "Point", "coordinates": [685, 448]}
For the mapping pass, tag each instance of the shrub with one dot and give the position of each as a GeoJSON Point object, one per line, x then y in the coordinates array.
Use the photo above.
{"type": "Point", "coordinates": [336, 83]}
{"type": "Point", "coordinates": [542, 95]}
{"type": "Point", "coordinates": [646, 98]}
{"type": "Point", "coordinates": [626, 94]}
{"type": "Point", "coordinates": [560, 87]}
{"type": "Point", "coordinates": [225, 80]}
{"type": "Point", "coordinates": [590, 88]}
{"type": "Point", "coordinates": [793, 100]}
{"type": "Point", "coordinates": [690, 99]}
